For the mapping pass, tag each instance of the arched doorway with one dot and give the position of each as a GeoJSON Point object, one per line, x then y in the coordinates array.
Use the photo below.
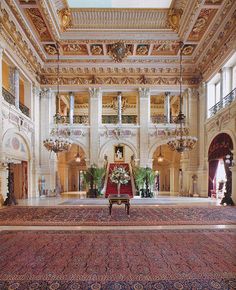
{"type": "Point", "coordinates": [166, 165]}
{"type": "Point", "coordinates": [219, 171]}
{"type": "Point", "coordinates": [17, 156]}
{"type": "Point", "coordinates": [71, 166]}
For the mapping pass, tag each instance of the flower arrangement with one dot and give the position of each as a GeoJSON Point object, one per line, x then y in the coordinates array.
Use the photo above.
{"type": "Point", "coordinates": [119, 175]}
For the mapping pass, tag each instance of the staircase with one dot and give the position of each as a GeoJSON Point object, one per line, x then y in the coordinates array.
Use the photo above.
{"type": "Point", "coordinates": [111, 188]}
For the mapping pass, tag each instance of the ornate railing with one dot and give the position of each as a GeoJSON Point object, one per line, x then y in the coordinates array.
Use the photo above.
{"type": "Point", "coordinates": [9, 97]}
{"type": "Point", "coordinates": [226, 101]}
{"type": "Point", "coordinates": [77, 119]}
{"type": "Point", "coordinates": [113, 119]}
{"type": "Point", "coordinates": [25, 110]}
{"type": "Point", "coordinates": [162, 119]}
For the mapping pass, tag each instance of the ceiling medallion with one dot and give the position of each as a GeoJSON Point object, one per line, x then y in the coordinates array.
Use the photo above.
{"type": "Point", "coordinates": [182, 141]}
{"type": "Point", "coordinates": [118, 51]}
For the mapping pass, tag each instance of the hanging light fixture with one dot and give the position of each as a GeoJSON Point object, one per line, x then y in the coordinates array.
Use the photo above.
{"type": "Point", "coordinates": [77, 157]}
{"type": "Point", "coordinates": [160, 158]}
{"type": "Point", "coordinates": [58, 140]}
{"type": "Point", "coordinates": [182, 141]}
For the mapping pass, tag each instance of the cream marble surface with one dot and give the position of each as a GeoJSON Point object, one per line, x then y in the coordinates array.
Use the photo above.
{"type": "Point", "coordinates": [158, 201]}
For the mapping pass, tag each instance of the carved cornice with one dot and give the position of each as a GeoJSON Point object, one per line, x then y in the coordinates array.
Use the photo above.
{"type": "Point", "coordinates": [114, 80]}
{"type": "Point", "coordinates": [224, 43]}
{"type": "Point", "coordinates": [23, 25]}
{"type": "Point", "coordinates": [14, 39]}
{"type": "Point", "coordinates": [216, 26]}
{"type": "Point", "coordinates": [189, 17]}
{"type": "Point", "coordinates": [71, 71]}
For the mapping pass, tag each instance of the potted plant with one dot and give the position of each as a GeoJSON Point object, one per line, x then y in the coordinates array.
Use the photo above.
{"type": "Point", "coordinates": [94, 178]}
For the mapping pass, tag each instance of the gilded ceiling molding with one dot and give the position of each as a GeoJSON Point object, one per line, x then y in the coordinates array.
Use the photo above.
{"type": "Point", "coordinates": [188, 18]}
{"type": "Point", "coordinates": [23, 25]}
{"type": "Point", "coordinates": [89, 18]}
{"type": "Point", "coordinates": [114, 80]}
{"type": "Point", "coordinates": [14, 38]}
{"type": "Point", "coordinates": [229, 29]}
{"type": "Point", "coordinates": [43, 5]}
{"type": "Point", "coordinates": [219, 57]}
{"type": "Point", "coordinates": [70, 71]}
{"type": "Point", "coordinates": [217, 26]}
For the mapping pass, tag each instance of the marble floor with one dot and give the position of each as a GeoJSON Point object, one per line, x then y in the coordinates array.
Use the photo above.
{"type": "Point", "coordinates": [158, 201]}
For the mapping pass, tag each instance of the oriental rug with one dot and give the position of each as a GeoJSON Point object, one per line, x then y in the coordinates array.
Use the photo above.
{"type": "Point", "coordinates": [99, 216]}
{"type": "Point", "coordinates": [177, 259]}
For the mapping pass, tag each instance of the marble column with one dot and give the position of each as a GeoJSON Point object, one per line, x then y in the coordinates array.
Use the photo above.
{"type": "Point", "coordinates": [35, 105]}
{"type": "Point", "coordinates": [17, 87]}
{"type": "Point", "coordinates": [233, 170]}
{"type": "Point", "coordinates": [119, 102]}
{"type": "Point", "coordinates": [202, 150]}
{"type": "Point", "coordinates": [144, 119]}
{"type": "Point", "coordinates": [48, 160]}
{"type": "Point", "coordinates": [167, 106]}
{"type": "Point", "coordinates": [72, 104]}
{"type": "Point", "coordinates": [95, 117]}
{"type": "Point", "coordinates": [2, 169]}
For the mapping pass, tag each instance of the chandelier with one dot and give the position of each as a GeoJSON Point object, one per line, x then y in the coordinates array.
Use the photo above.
{"type": "Point", "coordinates": [182, 141]}
{"type": "Point", "coordinates": [160, 158]}
{"type": "Point", "coordinates": [58, 140]}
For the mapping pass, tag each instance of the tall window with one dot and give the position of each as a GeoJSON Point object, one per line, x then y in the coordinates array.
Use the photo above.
{"type": "Point", "coordinates": [213, 93]}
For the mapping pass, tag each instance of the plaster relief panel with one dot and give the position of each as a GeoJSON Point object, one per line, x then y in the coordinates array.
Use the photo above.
{"type": "Point", "coordinates": [142, 49]}
{"type": "Point", "coordinates": [75, 49]}
{"type": "Point", "coordinates": [213, 2]}
{"type": "Point", "coordinates": [169, 48]}
{"type": "Point", "coordinates": [204, 19]}
{"type": "Point", "coordinates": [188, 49]}
{"type": "Point", "coordinates": [38, 23]}
{"type": "Point", "coordinates": [96, 49]}
{"type": "Point", "coordinates": [50, 49]}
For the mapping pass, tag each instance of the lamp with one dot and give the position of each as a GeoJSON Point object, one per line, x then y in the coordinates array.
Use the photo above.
{"type": "Point", "coordinates": [77, 157]}
{"type": "Point", "coordinates": [58, 140]}
{"type": "Point", "coordinates": [160, 158]}
{"type": "Point", "coordinates": [182, 141]}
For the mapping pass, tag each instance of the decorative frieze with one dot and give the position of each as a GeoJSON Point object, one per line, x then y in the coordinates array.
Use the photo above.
{"type": "Point", "coordinates": [139, 80]}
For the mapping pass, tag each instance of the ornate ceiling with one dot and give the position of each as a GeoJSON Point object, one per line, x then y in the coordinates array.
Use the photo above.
{"type": "Point", "coordinates": [150, 39]}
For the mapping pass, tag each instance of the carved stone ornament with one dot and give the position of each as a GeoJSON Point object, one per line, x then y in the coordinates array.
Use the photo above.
{"type": "Point", "coordinates": [65, 18]}
{"type": "Point", "coordinates": [50, 49]}
{"type": "Point", "coordinates": [118, 51]}
{"type": "Point", "coordinates": [174, 16]}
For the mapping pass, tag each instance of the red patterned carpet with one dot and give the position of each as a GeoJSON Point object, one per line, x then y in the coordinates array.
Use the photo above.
{"type": "Point", "coordinates": [193, 259]}
{"type": "Point", "coordinates": [99, 216]}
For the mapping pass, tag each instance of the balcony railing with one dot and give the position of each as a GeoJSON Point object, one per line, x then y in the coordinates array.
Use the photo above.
{"type": "Point", "coordinates": [77, 119]}
{"type": "Point", "coordinates": [8, 97]}
{"type": "Point", "coordinates": [226, 101]}
{"type": "Point", "coordinates": [162, 119]}
{"type": "Point", "coordinates": [25, 110]}
{"type": "Point", "coordinates": [113, 119]}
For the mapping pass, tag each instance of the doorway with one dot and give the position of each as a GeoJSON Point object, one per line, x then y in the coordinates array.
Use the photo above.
{"type": "Point", "coordinates": [19, 179]}
{"type": "Point", "coordinates": [219, 171]}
